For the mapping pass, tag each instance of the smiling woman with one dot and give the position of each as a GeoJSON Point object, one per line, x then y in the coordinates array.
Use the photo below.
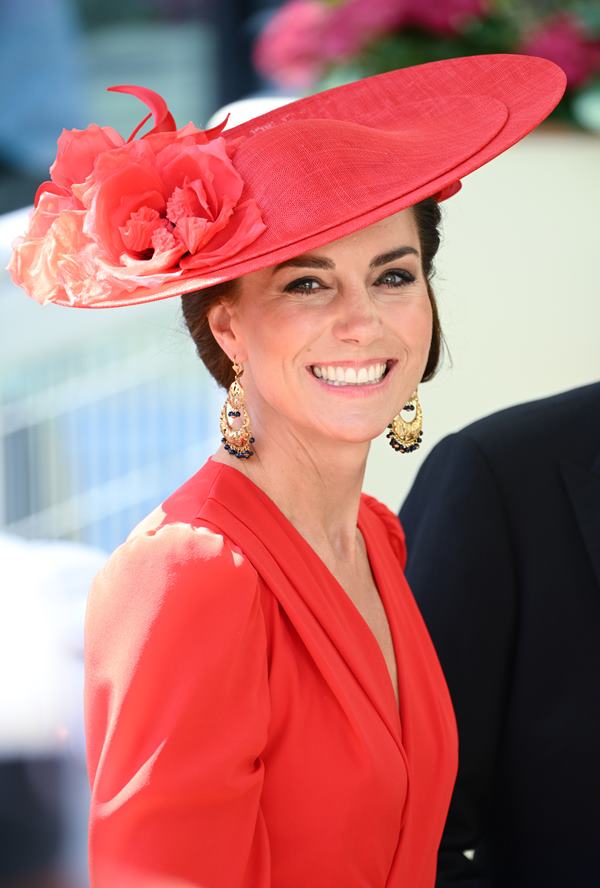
{"type": "Point", "coordinates": [306, 343]}
{"type": "Point", "coordinates": [264, 707]}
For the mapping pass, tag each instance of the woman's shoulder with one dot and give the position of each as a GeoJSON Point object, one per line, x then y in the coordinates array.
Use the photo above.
{"type": "Point", "coordinates": [389, 522]}
{"type": "Point", "coordinates": [171, 570]}
{"type": "Point", "coordinates": [175, 634]}
{"type": "Point", "coordinates": [173, 542]}
{"type": "Point", "coordinates": [168, 543]}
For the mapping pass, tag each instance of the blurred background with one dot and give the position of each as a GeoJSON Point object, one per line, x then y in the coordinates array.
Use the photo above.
{"type": "Point", "coordinates": [102, 414]}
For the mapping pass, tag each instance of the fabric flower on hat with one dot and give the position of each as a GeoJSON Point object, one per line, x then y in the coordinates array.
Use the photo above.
{"type": "Point", "coordinates": [119, 217]}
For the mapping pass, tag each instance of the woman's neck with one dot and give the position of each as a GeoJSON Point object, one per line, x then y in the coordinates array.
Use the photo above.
{"type": "Point", "coordinates": [317, 488]}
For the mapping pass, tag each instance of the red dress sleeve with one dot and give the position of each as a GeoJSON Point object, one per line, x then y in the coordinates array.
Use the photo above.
{"type": "Point", "coordinates": [177, 708]}
{"type": "Point", "coordinates": [392, 525]}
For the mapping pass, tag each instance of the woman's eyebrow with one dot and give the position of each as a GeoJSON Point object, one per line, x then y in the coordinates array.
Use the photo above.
{"type": "Point", "coordinates": [306, 261]}
{"type": "Point", "coordinates": [309, 261]}
{"type": "Point", "coordinates": [398, 253]}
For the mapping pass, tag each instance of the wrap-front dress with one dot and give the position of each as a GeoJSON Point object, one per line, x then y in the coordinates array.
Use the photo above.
{"type": "Point", "coordinates": [242, 728]}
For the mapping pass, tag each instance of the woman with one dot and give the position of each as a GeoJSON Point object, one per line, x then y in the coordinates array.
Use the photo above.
{"type": "Point", "coordinates": [264, 706]}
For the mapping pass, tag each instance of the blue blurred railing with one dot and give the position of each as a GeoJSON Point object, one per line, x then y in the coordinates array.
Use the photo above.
{"type": "Point", "coordinates": [97, 430]}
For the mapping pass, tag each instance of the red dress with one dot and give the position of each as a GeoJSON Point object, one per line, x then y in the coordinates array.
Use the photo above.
{"type": "Point", "coordinates": [242, 727]}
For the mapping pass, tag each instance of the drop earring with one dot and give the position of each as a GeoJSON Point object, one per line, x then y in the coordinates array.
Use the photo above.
{"type": "Point", "coordinates": [405, 435]}
{"type": "Point", "coordinates": [235, 419]}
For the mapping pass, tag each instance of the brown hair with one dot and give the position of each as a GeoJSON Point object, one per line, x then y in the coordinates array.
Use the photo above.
{"type": "Point", "coordinates": [195, 306]}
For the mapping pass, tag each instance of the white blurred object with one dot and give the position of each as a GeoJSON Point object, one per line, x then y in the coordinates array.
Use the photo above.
{"type": "Point", "coordinates": [11, 226]}
{"type": "Point", "coordinates": [245, 109]}
{"type": "Point", "coordinates": [43, 590]}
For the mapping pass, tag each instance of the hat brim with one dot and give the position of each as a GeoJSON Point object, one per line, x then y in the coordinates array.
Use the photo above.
{"type": "Point", "coordinates": [468, 109]}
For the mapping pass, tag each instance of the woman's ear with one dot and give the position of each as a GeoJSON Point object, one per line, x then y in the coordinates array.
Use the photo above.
{"type": "Point", "coordinates": [221, 320]}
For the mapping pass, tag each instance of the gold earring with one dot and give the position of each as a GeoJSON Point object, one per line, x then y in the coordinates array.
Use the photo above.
{"type": "Point", "coordinates": [406, 435]}
{"type": "Point", "coordinates": [235, 419]}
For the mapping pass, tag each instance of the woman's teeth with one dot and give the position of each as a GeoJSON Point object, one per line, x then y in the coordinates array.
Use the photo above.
{"type": "Point", "coordinates": [349, 375]}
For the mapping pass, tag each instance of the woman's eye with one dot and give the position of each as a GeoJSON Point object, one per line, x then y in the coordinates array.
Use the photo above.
{"type": "Point", "coordinates": [302, 285]}
{"type": "Point", "coordinates": [396, 277]}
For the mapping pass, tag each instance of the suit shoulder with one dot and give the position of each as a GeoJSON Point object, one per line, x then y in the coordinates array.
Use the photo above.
{"type": "Point", "coordinates": [536, 423]}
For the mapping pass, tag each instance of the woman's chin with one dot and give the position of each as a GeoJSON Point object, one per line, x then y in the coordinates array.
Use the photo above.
{"type": "Point", "coordinates": [354, 434]}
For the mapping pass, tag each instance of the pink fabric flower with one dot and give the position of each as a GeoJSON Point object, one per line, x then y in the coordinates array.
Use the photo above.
{"type": "Point", "coordinates": [77, 151]}
{"type": "Point", "coordinates": [120, 217]}
{"type": "Point", "coordinates": [563, 40]}
{"type": "Point", "coordinates": [55, 229]}
{"type": "Point", "coordinates": [290, 48]}
{"type": "Point", "coordinates": [444, 16]}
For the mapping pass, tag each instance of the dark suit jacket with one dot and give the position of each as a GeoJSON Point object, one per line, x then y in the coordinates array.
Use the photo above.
{"type": "Point", "coordinates": [503, 533]}
{"type": "Point", "coordinates": [31, 821]}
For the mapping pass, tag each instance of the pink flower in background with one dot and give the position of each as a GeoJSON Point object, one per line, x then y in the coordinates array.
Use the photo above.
{"type": "Point", "coordinates": [304, 35]}
{"type": "Point", "coordinates": [123, 216]}
{"type": "Point", "coordinates": [353, 24]}
{"type": "Point", "coordinates": [563, 40]}
{"type": "Point", "coordinates": [444, 16]}
{"type": "Point", "coordinates": [290, 49]}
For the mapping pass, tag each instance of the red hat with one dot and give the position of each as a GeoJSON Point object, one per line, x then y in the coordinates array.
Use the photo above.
{"type": "Point", "coordinates": [124, 222]}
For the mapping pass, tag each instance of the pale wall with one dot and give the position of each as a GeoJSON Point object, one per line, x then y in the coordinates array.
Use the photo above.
{"type": "Point", "coordinates": [518, 284]}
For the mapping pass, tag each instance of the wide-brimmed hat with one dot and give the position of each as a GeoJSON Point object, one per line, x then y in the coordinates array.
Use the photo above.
{"type": "Point", "coordinates": [177, 210]}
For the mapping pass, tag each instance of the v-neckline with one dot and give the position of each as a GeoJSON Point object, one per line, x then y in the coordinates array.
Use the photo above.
{"type": "Point", "coordinates": [375, 571]}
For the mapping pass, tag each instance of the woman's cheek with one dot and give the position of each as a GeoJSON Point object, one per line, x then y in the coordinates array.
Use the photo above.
{"type": "Point", "coordinates": [417, 331]}
{"type": "Point", "coordinates": [414, 320]}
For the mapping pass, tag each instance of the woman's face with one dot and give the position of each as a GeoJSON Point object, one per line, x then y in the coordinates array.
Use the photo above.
{"type": "Point", "coordinates": [335, 341]}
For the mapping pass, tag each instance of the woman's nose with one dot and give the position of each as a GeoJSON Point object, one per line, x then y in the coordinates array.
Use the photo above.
{"type": "Point", "coordinates": [357, 317]}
